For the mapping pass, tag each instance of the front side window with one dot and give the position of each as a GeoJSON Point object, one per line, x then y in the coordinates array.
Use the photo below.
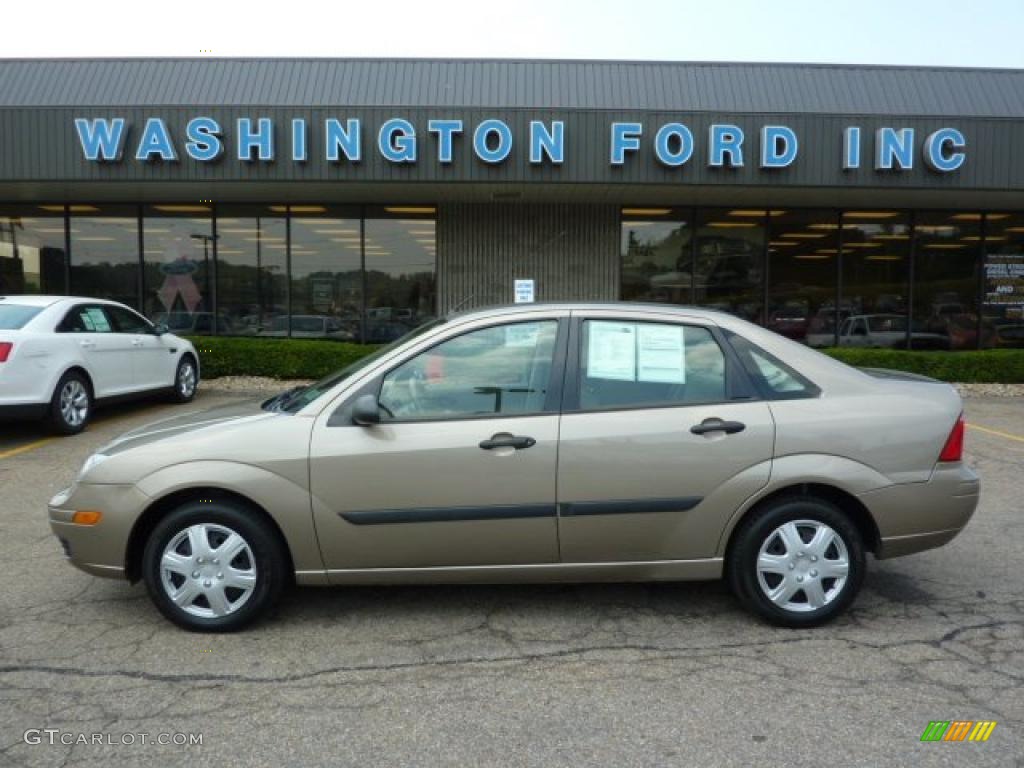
{"type": "Point", "coordinates": [626, 364]}
{"type": "Point", "coordinates": [127, 321]}
{"type": "Point", "coordinates": [501, 370]}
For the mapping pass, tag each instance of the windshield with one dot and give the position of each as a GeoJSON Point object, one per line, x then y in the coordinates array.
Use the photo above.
{"type": "Point", "coordinates": [300, 398]}
{"type": "Point", "coordinates": [14, 316]}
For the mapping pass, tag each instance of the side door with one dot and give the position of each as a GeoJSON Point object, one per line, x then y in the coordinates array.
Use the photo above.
{"type": "Point", "coordinates": [461, 470]}
{"type": "Point", "coordinates": [107, 355]}
{"type": "Point", "coordinates": [662, 439]}
{"type": "Point", "coordinates": [153, 362]}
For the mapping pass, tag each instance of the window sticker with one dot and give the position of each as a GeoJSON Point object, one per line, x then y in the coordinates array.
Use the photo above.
{"type": "Point", "coordinates": [611, 353]}
{"type": "Point", "coordinates": [660, 354]}
{"type": "Point", "coordinates": [95, 319]}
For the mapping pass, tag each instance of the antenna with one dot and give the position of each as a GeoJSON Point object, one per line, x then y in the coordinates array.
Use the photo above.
{"type": "Point", "coordinates": [463, 303]}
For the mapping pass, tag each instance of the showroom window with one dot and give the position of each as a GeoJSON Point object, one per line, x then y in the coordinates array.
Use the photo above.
{"type": "Point", "coordinates": [875, 277]}
{"type": "Point", "coordinates": [657, 257]}
{"type": "Point", "coordinates": [400, 270]}
{"type": "Point", "coordinates": [33, 254]}
{"type": "Point", "coordinates": [105, 252]}
{"type": "Point", "coordinates": [326, 278]}
{"type": "Point", "coordinates": [628, 365]}
{"type": "Point", "coordinates": [252, 276]}
{"type": "Point", "coordinates": [947, 257]}
{"type": "Point", "coordinates": [729, 261]}
{"type": "Point", "coordinates": [178, 266]}
{"type": "Point", "coordinates": [803, 264]}
{"type": "Point", "coordinates": [1003, 281]}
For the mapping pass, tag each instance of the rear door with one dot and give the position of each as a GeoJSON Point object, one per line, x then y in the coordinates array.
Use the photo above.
{"type": "Point", "coordinates": [662, 438]}
{"type": "Point", "coordinates": [107, 355]}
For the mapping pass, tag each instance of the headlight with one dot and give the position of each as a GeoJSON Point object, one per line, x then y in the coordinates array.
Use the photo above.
{"type": "Point", "coordinates": [91, 463]}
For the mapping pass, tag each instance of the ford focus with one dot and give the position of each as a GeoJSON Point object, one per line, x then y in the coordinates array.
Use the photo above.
{"type": "Point", "coordinates": [536, 443]}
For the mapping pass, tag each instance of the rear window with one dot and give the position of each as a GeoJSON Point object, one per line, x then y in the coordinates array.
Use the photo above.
{"type": "Point", "coordinates": [15, 316]}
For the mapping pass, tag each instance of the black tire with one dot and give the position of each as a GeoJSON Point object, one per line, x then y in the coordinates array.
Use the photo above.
{"type": "Point", "coordinates": [70, 421]}
{"type": "Point", "coordinates": [184, 389]}
{"type": "Point", "coordinates": [760, 529]}
{"type": "Point", "coordinates": [268, 561]}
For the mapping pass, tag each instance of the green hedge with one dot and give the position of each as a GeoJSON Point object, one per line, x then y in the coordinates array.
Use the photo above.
{"type": "Point", "coordinates": [308, 359]}
{"type": "Point", "coordinates": [276, 358]}
{"type": "Point", "coordinates": [1003, 366]}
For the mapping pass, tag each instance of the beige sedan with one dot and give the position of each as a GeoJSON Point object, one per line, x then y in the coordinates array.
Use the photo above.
{"type": "Point", "coordinates": [587, 442]}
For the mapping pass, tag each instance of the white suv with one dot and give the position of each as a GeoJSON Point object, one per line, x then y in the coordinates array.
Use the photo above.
{"type": "Point", "coordinates": [61, 354]}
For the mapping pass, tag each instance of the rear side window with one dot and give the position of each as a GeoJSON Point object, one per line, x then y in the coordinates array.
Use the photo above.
{"type": "Point", "coordinates": [773, 378]}
{"type": "Point", "coordinates": [15, 316]}
{"type": "Point", "coordinates": [627, 365]}
{"type": "Point", "coordinates": [85, 319]}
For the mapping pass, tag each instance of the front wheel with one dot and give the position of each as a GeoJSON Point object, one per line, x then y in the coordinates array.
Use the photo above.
{"type": "Point", "coordinates": [798, 562]}
{"type": "Point", "coordinates": [186, 380]}
{"type": "Point", "coordinates": [213, 566]}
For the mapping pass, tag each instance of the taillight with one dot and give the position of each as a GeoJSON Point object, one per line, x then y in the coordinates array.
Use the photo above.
{"type": "Point", "coordinates": [953, 450]}
{"type": "Point", "coordinates": [5, 350]}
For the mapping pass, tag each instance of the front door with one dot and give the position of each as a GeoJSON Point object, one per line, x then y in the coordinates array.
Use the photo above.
{"type": "Point", "coordinates": [658, 445]}
{"type": "Point", "coordinates": [153, 365]}
{"type": "Point", "coordinates": [461, 470]}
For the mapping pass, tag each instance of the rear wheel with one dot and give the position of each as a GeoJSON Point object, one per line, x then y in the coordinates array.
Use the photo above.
{"type": "Point", "coordinates": [798, 562]}
{"type": "Point", "coordinates": [71, 406]}
{"type": "Point", "coordinates": [213, 566]}
{"type": "Point", "coordinates": [186, 380]}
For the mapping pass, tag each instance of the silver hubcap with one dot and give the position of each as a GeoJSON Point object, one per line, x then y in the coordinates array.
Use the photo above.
{"type": "Point", "coordinates": [187, 380]}
{"type": "Point", "coordinates": [74, 403]}
{"type": "Point", "coordinates": [208, 570]}
{"type": "Point", "coordinates": [802, 566]}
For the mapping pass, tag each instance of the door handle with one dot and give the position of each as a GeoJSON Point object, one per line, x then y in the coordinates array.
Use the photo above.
{"type": "Point", "coordinates": [87, 344]}
{"type": "Point", "coordinates": [505, 440]}
{"type": "Point", "coordinates": [717, 425]}
{"type": "Point", "coordinates": [136, 342]}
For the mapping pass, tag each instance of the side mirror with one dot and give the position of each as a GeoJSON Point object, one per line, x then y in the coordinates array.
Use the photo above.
{"type": "Point", "coordinates": [366, 411]}
{"type": "Point", "coordinates": [160, 329]}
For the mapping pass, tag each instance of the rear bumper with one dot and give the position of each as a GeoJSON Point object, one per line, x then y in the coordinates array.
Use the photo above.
{"type": "Point", "coordinates": [913, 517]}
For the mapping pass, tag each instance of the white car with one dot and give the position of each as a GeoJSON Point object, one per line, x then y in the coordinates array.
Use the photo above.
{"type": "Point", "coordinates": [59, 355]}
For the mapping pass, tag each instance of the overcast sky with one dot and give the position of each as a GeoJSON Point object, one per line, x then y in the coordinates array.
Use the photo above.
{"type": "Point", "coordinates": [940, 32]}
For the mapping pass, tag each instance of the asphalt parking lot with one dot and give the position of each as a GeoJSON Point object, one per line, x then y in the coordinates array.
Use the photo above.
{"type": "Point", "coordinates": [616, 675]}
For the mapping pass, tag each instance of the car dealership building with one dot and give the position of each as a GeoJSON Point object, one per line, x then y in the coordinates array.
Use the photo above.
{"type": "Point", "coordinates": [352, 199]}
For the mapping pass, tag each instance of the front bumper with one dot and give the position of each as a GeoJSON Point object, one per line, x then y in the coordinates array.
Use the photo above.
{"type": "Point", "coordinates": [913, 517]}
{"type": "Point", "coordinates": [98, 549]}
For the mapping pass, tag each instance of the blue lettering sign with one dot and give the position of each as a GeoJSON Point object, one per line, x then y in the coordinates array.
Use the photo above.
{"type": "Point", "coordinates": [625, 138]}
{"type": "Point", "coordinates": [482, 138]}
{"type": "Point", "coordinates": [343, 141]}
{"type": "Point", "coordinates": [299, 152]}
{"type": "Point", "coordinates": [155, 141]}
{"type": "Point", "coordinates": [445, 130]}
{"type": "Point", "coordinates": [101, 139]}
{"type": "Point", "coordinates": [262, 139]}
{"type": "Point", "coordinates": [851, 148]}
{"type": "Point", "coordinates": [663, 141]}
{"type": "Point", "coordinates": [545, 141]}
{"type": "Point", "coordinates": [726, 140]}
{"type": "Point", "coordinates": [204, 142]}
{"type": "Point", "coordinates": [894, 147]}
{"type": "Point", "coordinates": [779, 146]}
{"type": "Point", "coordinates": [944, 150]}
{"type": "Point", "coordinates": [397, 141]}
